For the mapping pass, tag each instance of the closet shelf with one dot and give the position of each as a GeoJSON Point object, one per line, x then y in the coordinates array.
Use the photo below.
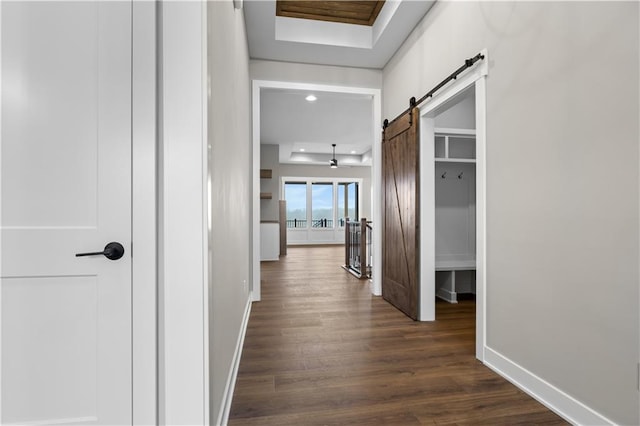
{"type": "Point", "coordinates": [454, 131]}
{"type": "Point", "coordinates": [455, 160]}
{"type": "Point", "coordinates": [266, 173]}
{"type": "Point", "coordinates": [455, 147]}
{"type": "Point", "coordinates": [456, 265]}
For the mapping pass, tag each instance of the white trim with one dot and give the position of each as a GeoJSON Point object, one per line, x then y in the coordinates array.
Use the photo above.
{"type": "Point", "coordinates": [448, 295]}
{"type": "Point", "coordinates": [427, 222]}
{"type": "Point", "coordinates": [206, 194]}
{"type": "Point", "coordinates": [454, 160]}
{"type": "Point", "coordinates": [143, 217]}
{"type": "Point", "coordinates": [638, 240]}
{"type": "Point", "coordinates": [1, 7]}
{"type": "Point", "coordinates": [481, 215]}
{"type": "Point", "coordinates": [457, 132]}
{"type": "Point", "coordinates": [81, 420]}
{"type": "Point", "coordinates": [318, 179]}
{"type": "Point", "coordinates": [375, 284]}
{"type": "Point", "coordinates": [183, 289]}
{"type": "Point", "coordinates": [257, 85]}
{"type": "Point", "coordinates": [254, 228]}
{"type": "Point", "coordinates": [553, 398]}
{"type": "Point", "coordinates": [227, 396]}
{"type": "Point", "coordinates": [474, 77]}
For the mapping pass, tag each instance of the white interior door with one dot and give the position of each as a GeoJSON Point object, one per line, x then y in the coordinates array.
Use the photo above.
{"type": "Point", "coordinates": [66, 189]}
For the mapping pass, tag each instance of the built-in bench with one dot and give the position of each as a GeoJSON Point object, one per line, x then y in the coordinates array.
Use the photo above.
{"type": "Point", "coordinates": [453, 277]}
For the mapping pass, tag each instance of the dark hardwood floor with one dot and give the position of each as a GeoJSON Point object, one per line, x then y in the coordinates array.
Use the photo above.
{"type": "Point", "coordinates": [320, 350]}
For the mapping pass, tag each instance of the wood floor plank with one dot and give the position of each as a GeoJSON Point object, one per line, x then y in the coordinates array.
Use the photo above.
{"type": "Point", "coordinates": [320, 350]}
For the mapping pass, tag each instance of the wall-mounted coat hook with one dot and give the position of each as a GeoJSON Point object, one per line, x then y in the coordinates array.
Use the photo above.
{"type": "Point", "coordinates": [444, 175]}
{"type": "Point", "coordinates": [460, 175]}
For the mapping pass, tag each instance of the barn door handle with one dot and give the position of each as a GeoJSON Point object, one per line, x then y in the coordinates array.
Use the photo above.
{"type": "Point", "coordinates": [113, 251]}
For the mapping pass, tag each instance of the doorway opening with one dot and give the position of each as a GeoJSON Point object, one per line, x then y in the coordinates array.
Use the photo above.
{"type": "Point", "coordinates": [300, 159]}
{"type": "Point", "coordinates": [453, 199]}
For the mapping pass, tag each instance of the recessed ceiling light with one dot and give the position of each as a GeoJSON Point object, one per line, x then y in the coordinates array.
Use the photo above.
{"type": "Point", "coordinates": [311, 98]}
{"type": "Point", "coordinates": [301, 149]}
{"type": "Point", "coordinates": [353, 152]}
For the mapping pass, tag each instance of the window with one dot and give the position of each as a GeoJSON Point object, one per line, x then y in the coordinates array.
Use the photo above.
{"type": "Point", "coordinates": [322, 205]}
{"type": "Point", "coordinates": [295, 193]}
{"type": "Point", "coordinates": [347, 202]}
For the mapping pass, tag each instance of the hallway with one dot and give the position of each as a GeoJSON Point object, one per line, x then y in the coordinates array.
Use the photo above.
{"type": "Point", "coordinates": [320, 349]}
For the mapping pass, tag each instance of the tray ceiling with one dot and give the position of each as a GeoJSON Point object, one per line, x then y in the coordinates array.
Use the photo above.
{"type": "Point", "coordinates": [347, 12]}
{"type": "Point", "coordinates": [315, 37]}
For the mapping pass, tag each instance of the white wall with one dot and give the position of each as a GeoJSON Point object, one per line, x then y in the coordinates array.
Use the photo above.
{"type": "Point", "coordinates": [462, 115]}
{"type": "Point", "coordinates": [181, 217]}
{"type": "Point", "coordinates": [230, 163]}
{"type": "Point", "coordinates": [318, 74]}
{"type": "Point", "coordinates": [562, 182]}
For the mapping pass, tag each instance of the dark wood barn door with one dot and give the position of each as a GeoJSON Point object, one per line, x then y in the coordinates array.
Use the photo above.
{"type": "Point", "coordinates": [401, 213]}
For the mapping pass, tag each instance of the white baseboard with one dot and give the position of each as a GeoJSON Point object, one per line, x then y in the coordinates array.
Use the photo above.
{"type": "Point", "coordinates": [227, 398]}
{"type": "Point", "coordinates": [447, 295]}
{"type": "Point", "coordinates": [553, 398]}
{"type": "Point", "coordinates": [375, 290]}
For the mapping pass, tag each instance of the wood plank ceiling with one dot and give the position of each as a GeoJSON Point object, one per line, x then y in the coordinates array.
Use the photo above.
{"type": "Point", "coordinates": [349, 12]}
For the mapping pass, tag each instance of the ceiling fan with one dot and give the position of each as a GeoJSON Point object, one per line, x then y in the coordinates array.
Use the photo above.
{"type": "Point", "coordinates": [333, 163]}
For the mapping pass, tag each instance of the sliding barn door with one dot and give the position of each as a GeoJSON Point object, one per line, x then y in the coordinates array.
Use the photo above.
{"type": "Point", "coordinates": [401, 213]}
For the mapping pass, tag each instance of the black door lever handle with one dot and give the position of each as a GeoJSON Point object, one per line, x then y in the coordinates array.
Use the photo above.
{"type": "Point", "coordinates": [113, 251]}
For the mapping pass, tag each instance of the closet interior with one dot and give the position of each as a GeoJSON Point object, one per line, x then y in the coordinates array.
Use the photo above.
{"type": "Point", "coordinates": [455, 203]}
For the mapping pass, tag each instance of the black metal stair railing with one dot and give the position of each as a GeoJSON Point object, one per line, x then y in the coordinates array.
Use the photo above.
{"type": "Point", "coordinates": [315, 223]}
{"type": "Point", "coordinates": [357, 247]}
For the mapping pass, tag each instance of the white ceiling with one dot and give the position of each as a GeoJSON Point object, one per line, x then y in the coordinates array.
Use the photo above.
{"type": "Point", "coordinates": [288, 120]}
{"type": "Point", "coordinates": [330, 43]}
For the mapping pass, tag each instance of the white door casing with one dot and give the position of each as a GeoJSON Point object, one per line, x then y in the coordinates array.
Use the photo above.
{"type": "Point", "coordinates": [66, 188]}
{"type": "Point", "coordinates": [473, 78]}
{"type": "Point", "coordinates": [376, 212]}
